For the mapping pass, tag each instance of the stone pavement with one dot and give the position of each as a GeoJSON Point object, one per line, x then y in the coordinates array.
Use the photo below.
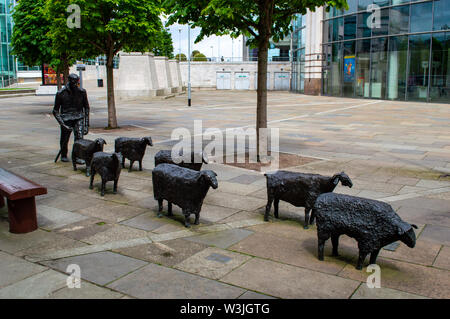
{"type": "Point", "coordinates": [397, 152]}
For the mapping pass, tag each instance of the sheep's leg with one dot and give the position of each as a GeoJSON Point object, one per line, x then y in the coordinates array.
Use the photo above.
{"type": "Point", "coordinates": [88, 170]}
{"type": "Point", "coordinates": [186, 218]}
{"type": "Point", "coordinates": [362, 257]}
{"type": "Point", "coordinates": [335, 242]}
{"type": "Point", "coordinates": [320, 248]}
{"type": "Point", "coordinates": [74, 162]}
{"type": "Point", "coordinates": [140, 165]}
{"type": "Point", "coordinates": [131, 166]}
{"type": "Point", "coordinates": [116, 181]}
{"type": "Point", "coordinates": [169, 209]}
{"type": "Point", "coordinates": [91, 184]}
{"type": "Point", "coordinates": [268, 207]}
{"type": "Point", "coordinates": [197, 219]}
{"type": "Point", "coordinates": [275, 207]}
{"type": "Point", "coordinates": [103, 187]}
{"type": "Point", "coordinates": [313, 217]}
{"type": "Point", "coordinates": [373, 256]}
{"type": "Point", "coordinates": [160, 207]}
{"type": "Point", "coordinates": [307, 210]}
{"type": "Point", "coordinates": [123, 162]}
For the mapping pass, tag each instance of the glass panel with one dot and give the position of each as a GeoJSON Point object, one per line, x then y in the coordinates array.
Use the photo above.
{"type": "Point", "coordinates": [399, 20]}
{"type": "Point", "coordinates": [327, 29]}
{"type": "Point", "coordinates": [363, 30]}
{"type": "Point", "coordinates": [379, 67]}
{"type": "Point", "coordinates": [349, 69]}
{"type": "Point", "coordinates": [362, 68]}
{"type": "Point", "coordinates": [394, 2]}
{"type": "Point", "coordinates": [441, 15]}
{"type": "Point", "coordinates": [398, 48]}
{"type": "Point", "coordinates": [440, 68]}
{"type": "Point", "coordinates": [419, 54]}
{"type": "Point", "coordinates": [362, 4]}
{"type": "Point", "coordinates": [327, 70]}
{"type": "Point", "coordinates": [381, 3]}
{"type": "Point", "coordinates": [421, 17]}
{"type": "Point", "coordinates": [336, 69]}
{"type": "Point", "coordinates": [349, 27]}
{"type": "Point", "coordinates": [382, 29]}
{"type": "Point", "coordinates": [338, 29]}
{"type": "Point", "coordinates": [352, 6]}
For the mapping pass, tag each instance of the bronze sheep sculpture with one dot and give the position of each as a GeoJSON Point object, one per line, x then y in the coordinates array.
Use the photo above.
{"type": "Point", "coordinates": [195, 163]}
{"type": "Point", "coordinates": [300, 190]}
{"type": "Point", "coordinates": [108, 167]}
{"type": "Point", "coordinates": [84, 150]}
{"type": "Point", "coordinates": [132, 149]}
{"type": "Point", "coordinates": [183, 187]}
{"type": "Point", "coordinates": [372, 223]}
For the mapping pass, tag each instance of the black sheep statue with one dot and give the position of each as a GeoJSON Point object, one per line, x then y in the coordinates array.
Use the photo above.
{"type": "Point", "coordinates": [132, 149]}
{"type": "Point", "coordinates": [108, 167]}
{"type": "Point", "coordinates": [196, 160]}
{"type": "Point", "coordinates": [84, 150]}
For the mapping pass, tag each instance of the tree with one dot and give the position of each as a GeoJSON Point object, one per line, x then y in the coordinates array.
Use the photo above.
{"type": "Point", "coordinates": [110, 26]}
{"type": "Point", "coordinates": [181, 57]}
{"type": "Point", "coordinates": [259, 20]}
{"type": "Point", "coordinates": [199, 57]}
{"type": "Point", "coordinates": [165, 45]}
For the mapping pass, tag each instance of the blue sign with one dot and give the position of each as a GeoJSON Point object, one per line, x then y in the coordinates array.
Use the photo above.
{"type": "Point", "coordinates": [349, 68]}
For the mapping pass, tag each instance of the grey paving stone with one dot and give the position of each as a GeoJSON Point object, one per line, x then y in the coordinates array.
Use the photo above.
{"type": "Point", "coordinates": [222, 239]}
{"type": "Point", "coordinates": [14, 269]}
{"type": "Point", "coordinates": [286, 281]}
{"type": "Point", "coordinates": [52, 218]}
{"type": "Point", "coordinates": [364, 292]}
{"type": "Point", "coordinates": [146, 222]}
{"type": "Point", "coordinates": [212, 262]}
{"type": "Point", "coordinates": [100, 268]}
{"type": "Point", "coordinates": [40, 285]}
{"type": "Point", "coordinates": [154, 281]}
{"type": "Point", "coordinates": [438, 234]}
{"type": "Point", "coordinates": [246, 179]}
{"type": "Point", "coordinates": [254, 295]}
{"type": "Point", "coordinates": [86, 291]}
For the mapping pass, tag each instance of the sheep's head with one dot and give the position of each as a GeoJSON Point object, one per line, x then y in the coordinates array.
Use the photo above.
{"type": "Point", "coordinates": [345, 180]}
{"type": "Point", "coordinates": [147, 140]}
{"type": "Point", "coordinates": [406, 233]}
{"type": "Point", "coordinates": [210, 178]}
{"type": "Point", "coordinates": [100, 143]}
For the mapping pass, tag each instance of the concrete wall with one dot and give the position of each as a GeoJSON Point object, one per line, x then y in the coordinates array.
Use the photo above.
{"type": "Point", "coordinates": [313, 51]}
{"type": "Point", "coordinates": [204, 74]}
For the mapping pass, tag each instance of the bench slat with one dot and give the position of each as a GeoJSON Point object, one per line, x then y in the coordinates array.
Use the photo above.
{"type": "Point", "coordinates": [14, 186]}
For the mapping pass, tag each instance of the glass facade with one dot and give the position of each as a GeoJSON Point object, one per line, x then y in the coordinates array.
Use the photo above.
{"type": "Point", "coordinates": [388, 49]}
{"type": "Point", "coordinates": [298, 51]}
{"type": "Point", "coordinates": [8, 74]}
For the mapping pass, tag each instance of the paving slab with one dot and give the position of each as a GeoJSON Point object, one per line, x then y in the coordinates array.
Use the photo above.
{"type": "Point", "coordinates": [52, 218]}
{"type": "Point", "coordinates": [154, 281]}
{"type": "Point", "coordinates": [14, 269]}
{"type": "Point", "coordinates": [237, 188]}
{"type": "Point", "coordinates": [437, 234]}
{"type": "Point", "coordinates": [246, 179]}
{"type": "Point", "coordinates": [234, 201]}
{"type": "Point", "coordinates": [254, 295]}
{"type": "Point", "coordinates": [115, 233]}
{"type": "Point", "coordinates": [213, 214]}
{"type": "Point", "coordinates": [222, 239]}
{"type": "Point", "coordinates": [443, 259]}
{"type": "Point", "coordinates": [424, 253]}
{"type": "Point", "coordinates": [364, 292]}
{"type": "Point", "coordinates": [38, 286]}
{"type": "Point", "coordinates": [86, 291]}
{"type": "Point", "coordinates": [52, 243]}
{"type": "Point", "coordinates": [147, 222]}
{"type": "Point", "coordinates": [212, 262]}
{"type": "Point", "coordinates": [295, 252]}
{"type": "Point", "coordinates": [83, 229]}
{"type": "Point", "coordinates": [285, 281]}
{"type": "Point", "coordinates": [167, 253]}
{"type": "Point", "coordinates": [112, 212]}
{"type": "Point", "coordinates": [415, 279]}
{"type": "Point", "coordinates": [100, 268]}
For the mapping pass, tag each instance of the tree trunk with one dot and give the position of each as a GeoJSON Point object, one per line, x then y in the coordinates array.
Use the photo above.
{"type": "Point", "coordinates": [58, 79]}
{"type": "Point", "coordinates": [112, 119]}
{"type": "Point", "coordinates": [265, 30]}
{"type": "Point", "coordinates": [65, 68]}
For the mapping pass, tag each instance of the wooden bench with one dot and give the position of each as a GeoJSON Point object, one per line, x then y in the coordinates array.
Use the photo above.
{"type": "Point", "coordinates": [20, 193]}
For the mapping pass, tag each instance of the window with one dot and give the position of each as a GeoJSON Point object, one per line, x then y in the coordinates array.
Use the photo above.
{"type": "Point", "coordinates": [338, 29]}
{"type": "Point", "coordinates": [421, 17]}
{"type": "Point", "coordinates": [349, 27]}
{"type": "Point", "coordinates": [441, 15]}
{"type": "Point", "coordinates": [362, 68]}
{"type": "Point", "coordinates": [396, 82]}
{"type": "Point", "coordinates": [363, 30]}
{"type": "Point", "coordinates": [336, 69]}
{"type": "Point", "coordinates": [379, 67]}
{"type": "Point", "coordinates": [349, 69]}
{"type": "Point", "coordinates": [440, 68]}
{"type": "Point", "coordinates": [399, 19]}
{"type": "Point", "coordinates": [384, 23]}
{"type": "Point", "coordinates": [419, 55]}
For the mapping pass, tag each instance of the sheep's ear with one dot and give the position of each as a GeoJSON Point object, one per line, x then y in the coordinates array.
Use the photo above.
{"type": "Point", "coordinates": [403, 228]}
{"type": "Point", "coordinates": [335, 179]}
{"type": "Point", "coordinates": [414, 226]}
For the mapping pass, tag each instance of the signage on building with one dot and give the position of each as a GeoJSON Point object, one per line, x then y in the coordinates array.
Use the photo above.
{"type": "Point", "coordinates": [349, 68]}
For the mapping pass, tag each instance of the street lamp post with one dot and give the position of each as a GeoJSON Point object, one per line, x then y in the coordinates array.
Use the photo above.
{"type": "Point", "coordinates": [189, 65]}
{"type": "Point", "coordinates": [179, 44]}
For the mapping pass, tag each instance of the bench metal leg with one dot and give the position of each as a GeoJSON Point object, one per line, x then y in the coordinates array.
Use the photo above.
{"type": "Point", "coordinates": [22, 215]}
